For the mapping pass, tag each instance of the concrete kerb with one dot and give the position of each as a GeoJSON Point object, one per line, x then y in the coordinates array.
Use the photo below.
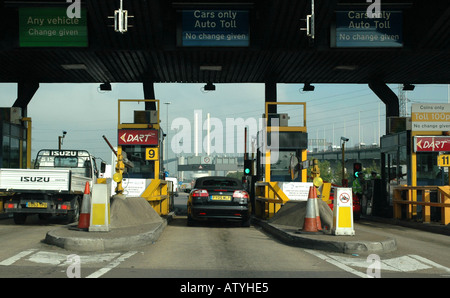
{"type": "Point", "coordinates": [289, 236]}
{"type": "Point", "coordinates": [134, 223]}
{"type": "Point", "coordinates": [117, 239]}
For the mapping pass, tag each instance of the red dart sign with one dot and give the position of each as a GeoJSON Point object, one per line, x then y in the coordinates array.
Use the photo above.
{"type": "Point", "coordinates": [137, 137]}
{"type": "Point", "coordinates": [431, 144]}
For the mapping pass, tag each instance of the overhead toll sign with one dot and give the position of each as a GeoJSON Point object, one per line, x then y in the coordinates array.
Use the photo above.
{"type": "Point", "coordinates": [355, 29]}
{"type": "Point", "coordinates": [430, 117]}
{"type": "Point", "coordinates": [214, 28]}
{"type": "Point", "coordinates": [51, 27]}
{"type": "Point", "coordinates": [138, 137]}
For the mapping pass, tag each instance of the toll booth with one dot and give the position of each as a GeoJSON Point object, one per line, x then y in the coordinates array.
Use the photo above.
{"type": "Point", "coordinates": [15, 141]}
{"type": "Point", "coordinates": [414, 179]}
{"type": "Point", "coordinates": [395, 152]}
{"type": "Point", "coordinates": [140, 156]}
{"type": "Point", "coordinates": [281, 158]}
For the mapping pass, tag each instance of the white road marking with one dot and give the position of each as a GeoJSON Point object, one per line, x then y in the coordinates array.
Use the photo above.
{"type": "Point", "coordinates": [52, 258]}
{"type": "Point", "coordinates": [407, 263]}
{"type": "Point", "coordinates": [111, 265]}
{"type": "Point", "coordinates": [17, 257]}
{"type": "Point", "coordinates": [58, 259]}
{"type": "Point", "coordinates": [336, 263]}
{"type": "Point", "coordinates": [431, 263]}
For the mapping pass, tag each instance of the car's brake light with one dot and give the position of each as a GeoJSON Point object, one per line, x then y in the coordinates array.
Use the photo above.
{"type": "Point", "coordinates": [200, 193]}
{"type": "Point", "coordinates": [240, 194]}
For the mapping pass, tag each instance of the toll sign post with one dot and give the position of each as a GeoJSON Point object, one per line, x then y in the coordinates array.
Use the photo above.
{"type": "Point", "coordinates": [343, 212]}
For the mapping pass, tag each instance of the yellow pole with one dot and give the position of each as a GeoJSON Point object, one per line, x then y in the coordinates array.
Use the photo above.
{"type": "Point", "coordinates": [267, 166]}
{"type": "Point", "coordinates": [118, 176]}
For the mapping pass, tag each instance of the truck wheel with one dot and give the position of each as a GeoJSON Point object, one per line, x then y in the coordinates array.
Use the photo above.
{"type": "Point", "coordinates": [74, 214]}
{"type": "Point", "coordinates": [19, 218]}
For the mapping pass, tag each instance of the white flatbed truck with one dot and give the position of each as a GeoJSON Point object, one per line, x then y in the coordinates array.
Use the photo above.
{"type": "Point", "coordinates": [54, 187]}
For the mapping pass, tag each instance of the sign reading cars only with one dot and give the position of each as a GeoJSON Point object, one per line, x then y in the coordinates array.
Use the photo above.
{"type": "Point", "coordinates": [137, 137]}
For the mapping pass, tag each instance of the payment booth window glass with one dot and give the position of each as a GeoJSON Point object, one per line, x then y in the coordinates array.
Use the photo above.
{"type": "Point", "coordinates": [280, 166]}
{"type": "Point", "coordinates": [142, 168]}
{"type": "Point", "coordinates": [428, 172]}
{"type": "Point", "coordinates": [10, 151]}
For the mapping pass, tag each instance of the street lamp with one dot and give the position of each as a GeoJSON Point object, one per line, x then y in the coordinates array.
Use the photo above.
{"type": "Point", "coordinates": [60, 139]}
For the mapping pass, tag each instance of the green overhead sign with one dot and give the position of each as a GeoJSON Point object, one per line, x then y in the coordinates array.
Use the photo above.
{"type": "Point", "coordinates": [51, 27]}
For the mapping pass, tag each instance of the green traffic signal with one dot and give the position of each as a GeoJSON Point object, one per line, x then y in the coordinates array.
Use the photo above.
{"type": "Point", "coordinates": [248, 164]}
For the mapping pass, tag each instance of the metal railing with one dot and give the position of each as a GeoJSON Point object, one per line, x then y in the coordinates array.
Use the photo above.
{"type": "Point", "coordinates": [157, 194]}
{"type": "Point", "coordinates": [269, 199]}
{"type": "Point", "coordinates": [414, 196]}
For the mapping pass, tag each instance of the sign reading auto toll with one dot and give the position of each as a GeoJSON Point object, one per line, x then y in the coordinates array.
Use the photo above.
{"type": "Point", "coordinates": [138, 137]}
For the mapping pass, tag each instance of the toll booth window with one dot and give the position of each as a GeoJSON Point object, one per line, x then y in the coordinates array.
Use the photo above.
{"type": "Point", "coordinates": [428, 173]}
{"type": "Point", "coordinates": [142, 168]}
{"type": "Point", "coordinates": [280, 165]}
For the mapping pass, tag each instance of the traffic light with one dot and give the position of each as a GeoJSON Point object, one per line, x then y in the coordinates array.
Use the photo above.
{"type": "Point", "coordinates": [248, 167]}
{"type": "Point", "coordinates": [357, 168]}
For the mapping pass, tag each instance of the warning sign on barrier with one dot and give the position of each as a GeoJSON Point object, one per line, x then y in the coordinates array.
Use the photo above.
{"type": "Point", "coordinates": [343, 212]}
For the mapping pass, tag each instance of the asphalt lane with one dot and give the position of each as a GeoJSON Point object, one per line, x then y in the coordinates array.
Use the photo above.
{"type": "Point", "coordinates": [217, 250]}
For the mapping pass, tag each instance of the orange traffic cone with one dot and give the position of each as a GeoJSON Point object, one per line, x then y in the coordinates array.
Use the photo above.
{"type": "Point", "coordinates": [85, 214]}
{"type": "Point", "coordinates": [310, 224]}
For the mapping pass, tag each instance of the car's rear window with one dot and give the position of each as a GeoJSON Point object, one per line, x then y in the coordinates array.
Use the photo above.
{"type": "Point", "coordinates": [218, 182]}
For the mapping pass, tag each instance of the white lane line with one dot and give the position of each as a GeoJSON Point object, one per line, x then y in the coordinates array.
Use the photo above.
{"type": "Point", "coordinates": [336, 263]}
{"type": "Point", "coordinates": [429, 262]}
{"type": "Point", "coordinates": [111, 265]}
{"type": "Point", "coordinates": [17, 257]}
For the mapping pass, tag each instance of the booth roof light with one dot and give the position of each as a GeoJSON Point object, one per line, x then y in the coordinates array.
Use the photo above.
{"type": "Point", "coordinates": [346, 67]}
{"type": "Point", "coordinates": [408, 87]}
{"type": "Point", "coordinates": [211, 67]}
{"type": "Point", "coordinates": [308, 87]}
{"type": "Point", "coordinates": [74, 66]}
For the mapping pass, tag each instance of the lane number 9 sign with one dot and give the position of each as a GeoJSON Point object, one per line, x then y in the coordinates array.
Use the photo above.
{"type": "Point", "coordinates": [151, 154]}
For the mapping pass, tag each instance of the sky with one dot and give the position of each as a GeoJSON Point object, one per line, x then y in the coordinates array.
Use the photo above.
{"type": "Point", "coordinates": [86, 113]}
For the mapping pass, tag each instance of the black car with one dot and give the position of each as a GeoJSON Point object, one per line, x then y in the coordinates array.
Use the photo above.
{"type": "Point", "coordinates": [216, 197]}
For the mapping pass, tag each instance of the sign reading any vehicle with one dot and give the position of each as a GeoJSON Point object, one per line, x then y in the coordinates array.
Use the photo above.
{"type": "Point", "coordinates": [444, 160]}
{"type": "Point", "coordinates": [151, 154]}
{"type": "Point", "coordinates": [138, 137]}
{"type": "Point", "coordinates": [51, 27]}
{"type": "Point", "coordinates": [221, 198]}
